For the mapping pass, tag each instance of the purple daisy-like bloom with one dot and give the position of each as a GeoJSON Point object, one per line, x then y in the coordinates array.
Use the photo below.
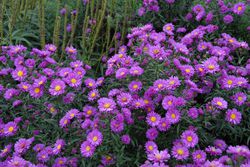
{"type": "Point", "coordinates": [138, 103]}
{"type": "Point", "coordinates": [219, 103]}
{"type": "Point", "coordinates": [43, 156]}
{"type": "Point", "coordinates": [80, 71]}
{"type": "Point", "coordinates": [173, 116]}
{"type": "Point", "coordinates": [57, 87]}
{"type": "Point", "coordinates": [239, 8]}
{"type": "Point", "coordinates": [159, 156]}
{"type": "Point", "coordinates": [106, 104]}
{"type": "Point", "coordinates": [213, 150]}
{"type": "Point", "coordinates": [90, 83]}
{"type": "Point", "coordinates": [187, 71]}
{"type": "Point", "coordinates": [228, 82]}
{"type": "Point", "coordinates": [241, 82]}
{"type": "Point", "coordinates": [95, 137]}
{"type": "Point", "coordinates": [40, 81]}
{"type": "Point", "coordinates": [233, 116]}
{"type": "Point", "coordinates": [180, 152]}
{"type": "Point", "coordinates": [38, 147]}
{"type": "Point", "coordinates": [172, 83]}
{"type": "Point", "coordinates": [228, 19]}
{"type": "Point", "coordinates": [136, 71]}
{"type": "Point", "coordinates": [152, 133]}
{"type": "Point", "coordinates": [121, 73]}
{"type": "Point", "coordinates": [211, 66]}
{"type": "Point", "coordinates": [125, 139]}
{"type": "Point", "coordinates": [19, 74]}
{"type": "Point", "coordinates": [153, 119]}
{"type": "Point", "coordinates": [69, 98]}
{"type": "Point", "coordinates": [48, 72]}
{"type": "Point", "coordinates": [5, 151]}
{"type": "Point", "coordinates": [58, 146]}
{"type": "Point", "coordinates": [199, 156]}
{"type": "Point", "coordinates": [169, 102]}
{"type": "Point", "coordinates": [60, 162]}
{"type": "Point", "coordinates": [160, 84]}
{"type": "Point", "coordinates": [168, 29]}
{"type": "Point", "coordinates": [71, 51]}
{"type": "Point", "coordinates": [76, 64]}
{"type": "Point", "coordinates": [36, 92]}
{"type": "Point", "coordinates": [150, 146]}
{"type": "Point", "coordinates": [89, 111]}
{"type": "Point", "coordinates": [189, 138]}
{"type": "Point", "coordinates": [63, 72]}
{"type": "Point", "coordinates": [220, 144]}
{"type": "Point", "coordinates": [22, 145]}
{"type": "Point", "coordinates": [164, 125]}
{"type": "Point", "coordinates": [107, 160]}
{"type": "Point", "coordinates": [135, 86]}
{"type": "Point", "coordinates": [72, 113]}
{"type": "Point", "coordinates": [9, 93]}
{"type": "Point", "coordinates": [239, 98]}
{"type": "Point", "coordinates": [116, 126]}
{"type": "Point", "coordinates": [193, 113]}
{"type": "Point", "coordinates": [93, 95]}
{"type": "Point", "coordinates": [124, 99]}
{"type": "Point", "coordinates": [17, 161]}
{"type": "Point", "coordinates": [10, 129]}
{"type": "Point", "coordinates": [50, 47]}
{"type": "Point", "coordinates": [87, 149]}
{"type": "Point", "coordinates": [64, 122]}
{"type": "Point", "coordinates": [73, 80]}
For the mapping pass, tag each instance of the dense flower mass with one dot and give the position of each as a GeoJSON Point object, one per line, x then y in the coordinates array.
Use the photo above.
{"type": "Point", "coordinates": [172, 96]}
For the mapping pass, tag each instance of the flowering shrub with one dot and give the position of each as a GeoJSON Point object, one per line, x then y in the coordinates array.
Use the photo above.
{"type": "Point", "coordinates": [174, 97]}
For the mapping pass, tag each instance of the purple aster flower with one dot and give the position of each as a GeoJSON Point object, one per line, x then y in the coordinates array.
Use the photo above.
{"type": "Point", "coordinates": [169, 102]}
{"type": "Point", "coordinates": [180, 152]}
{"type": "Point", "coordinates": [50, 47]}
{"type": "Point", "coordinates": [93, 95]}
{"type": "Point", "coordinates": [64, 122]}
{"type": "Point", "coordinates": [138, 103]}
{"type": "Point", "coordinates": [199, 156]}
{"type": "Point", "coordinates": [164, 125]}
{"type": "Point", "coordinates": [90, 83]}
{"type": "Point", "coordinates": [19, 74]}
{"type": "Point", "coordinates": [116, 126]}
{"type": "Point", "coordinates": [198, 9]}
{"type": "Point", "coordinates": [172, 83]}
{"type": "Point", "coordinates": [213, 150]}
{"type": "Point", "coordinates": [187, 71]}
{"type": "Point", "coordinates": [150, 146]}
{"type": "Point", "coordinates": [189, 138]}
{"type": "Point", "coordinates": [63, 72]}
{"type": "Point", "coordinates": [211, 65]}
{"type": "Point", "coordinates": [239, 98]}
{"type": "Point", "coordinates": [43, 156]}
{"type": "Point", "coordinates": [136, 71]}
{"type": "Point", "coordinates": [125, 139]}
{"type": "Point", "coordinates": [153, 119]}
{"type": "Point", "coordinates": [124, 99]}
{"type": "Point", "coordinates": [95, 137]}
{"type": "Point", "coordinates": [49, 72]}
{"type": "Point", "coordinates": [229, 82]}
{"type": "Point", "coordinates": [173, 116]}
{"type": "Point", "coordinates": [152, 133]}
{"type": "Point", "coordinates": [89, 111]}
{"type": "Point", "coordinates": [107, 160]}
{"type": "Point", "coordinates": [69, 98]}
{"type": "Point", "coordinates": [80, 71]}
{"type": "Point", "coordinates": [73, 80]}
{"type": "Point", "coordinates": [159, 156]}
{"type": "Point", "coordinates": [17, 161]}
{"type": "Point", "coordinates": [233, 116]}
{"type": "Point", "coordinates": [36, 92]}
{"type": "Point", "coordinates": [220, 144]}
{"type": "Point", "coordinates": [72, 113]}
{"type": "Point", "coordinates": [160, 84]}
{"type": "Point", "coordinates": [71, 51]}
{"type": "Point", "coordinates": [76, 64]}
{"type": "Point", "coordinates": [10, 128]}
{"type": "Point", "coordinates": [60, 162]}
{"type": "Point", "coordinates": [38, 147]}
{"type": "Point", "coordinates": [106, 104]}
{"type": "Point", "coordinates": [213, 163]}
{"type": "Point", "coordinates": [168, 29]}
{"type": "Point", "coordinates": [121, 73]}
{"type": "Point", "coordinates": [135, 86]}
{"type": "Point", "coordinates": [228, 19]}
{"type": "Point", "coordinates": [241, 82]}
{"type": "Point", "coordinates": [219, 103]}
{"type": "Point", "coordinates": [22, 145]}
{"type": "Point", "coordinates": [5, 151]}
{"type": "Point", "coordinates": [193, 113]}
{"type": "Point", "coordinates": [58, 146]}
{"type": "Point", "coordinates": [57, 87]}
{"type": "Point", "coordinates": [87, 149]}
{"type": "Point", "coordinates": [40, 81]}
{"type": "Point", "coordinates": [239, 8]}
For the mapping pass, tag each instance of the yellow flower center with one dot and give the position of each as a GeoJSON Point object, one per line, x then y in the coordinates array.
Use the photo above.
{"type": "Point", "coordinates": [156, 51]}
{"type": "Point", "coordinates": [90, 84]}
{"type": "Point", "coordinates": [73, 80]}
{"type": "Point", "coordinates": [65, 121]}
{"type": "Point", "coordinates": [25, 87]}
{"type": "Point", "coordinates": [229, 82]}
{"type": "Point", "coordinates": [163, 124]}
{"type": "Point", "coordinates": [88, 148]}
{"type": "Point", "coordinates": [201, 69]}
{"type": "Point", "coordinates": [37, 90]}
{"type": "Point", "coordinates": [160, 86]}
{"type": "Point", "coordinates": [58, 88]}
{"type": "Point", "coordinates": [120, 55]}
{"type": "Point", "coordinates": [95, 138]}
{"type": "Point", "coordinates": [211, 67]}
{"type": "Point", "coordinates": [60, 162]}
{"type": "Point", "coordinates": [11, 129]}
{"type": "Point", "coordinates": [59, 147]}
{"type": "Point", "coordinates": [107, 105]}
{"type": "Point", "coordinates": [153, 119]}
{"type": "Point", "coordinates": [72, 115]}
{"type": "Point", "coordinates": [173, 116]}
{"type": "Point", "coordinates": [171, 82]}
{"type": "Point", "coordinates": [240, 98]}
{"type": "Point", "coordinates": [219, 103]}
{"type": "Point", "coordinates": [187, 70]}
{"type": "Point", "coordinates": [93, 94]}
{"type": "Point", "coordinates": [198, 156]}
{"type": "Point", "coordinates": [168, 28]}
{"type": "Point", "coordinates": [5, 150]}
{"type": "Point", "coordinates": [20, 73]}
{"type": "Point", "coordinates": [52, 109]}
{"type": "Point", "coordinates": [233, 116]}
{"type": "Point", "coordinates": [150, 147]}
{"type": "Point", "coordinates": [146, 101]}
{"type": "Point", "coordinates": [189, 138]}
{"type": "Point", "coordinates": [231, 40]}
{"type": "Point", "coordinates": [239, 8]}
{"type": "Point", "coordinates": [170, 102]}
{"type": "Point", "coordinates": [135, 86]}
{"type": "Point", "coordinates": [180, 151]}
{"type": "Point", "coordinates": [124, 99]}
{"type": "Point", "coordinates": [89, 112]}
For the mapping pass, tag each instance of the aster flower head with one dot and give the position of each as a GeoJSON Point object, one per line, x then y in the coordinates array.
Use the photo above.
{"type": "Point", "coordinates": [106, 104]}
{"type": "Point", "coordinates": [64, 122]}
{"type": "Point", "coordinates": [76, 64]}
{"type": "Point", "coordinates": [239, 98]}
{"type": "Point", "coordinates": [164, 125]}
{"type": "Point", "coordinates": [89, 111]}
{"type": "Point", "coordinates": [87, 149]}
{"type": "Point", "coordinates": [173, 116]}
{"type": "Point", "coordinates": [219, 103]}
{"type": "Point", "coordinates": [228, 19]}
{"type": "Point", "coordinates": [138, 103]}
{"type": "Point", "coordinates": [36, 92]}
{"type": "Point", "coordinates": [121, 73]}
{"type": "Point", "coordinates": [159, 156]}
{"type": "Point", "coordinates": [72, 113]}
{"type": "Point", "coordinates": [117, 126]}
{"type": "Point", "coordinates": [213, 150]}
{"type": "Point", "coordinates": [199, 156]}
{"type": "Point", "coordinates": [10, 128]}
{"type": "Point", "coordinates": [50, 47]}
{"type": "Point", "coordinates": [180, 152]}
{"type": "Point", "coordinates": [150, 146]}
{"type": "Point", "coordinates": [60, 162]}
{"type": "Point", "coordinates": [189, 138]}
{"type": "Point", "coordinates": [40, 81]}
{"type": "Point", "coordinates": [93, 95]}
{"type": "Point", "coordinates": [220, 144]}
{"type": "Point", "coordinates": [90, 83]}
{"type": "Point", "coordinates": [79, 71]}
{"type": "Point", "coordinates": [152, 133]}
{"type": "Point", "coordinates": [229, 82]}
{"type": "Point", "coordinates": [60, 143]}
{"type": "Point", "coordinates": [169, 102]}
{"type": "Point", "coordinates": [168, 29]}
{"type": "Point", "coordinates": [17, 161]}
{"type": "Point", "coordinates": [19, 74]}
{"type": "Point", "coordinates": [73, 80]}
{"type": "Point", "coordinates": [160, 84]}
{"type": "Point", "coordinates": [172, 83]}
{"type": "Point", "coordinates": [239, 8]}
{"type": "Point", "coordinates": [136, 71]}
{"type": "Point", "coordinates": [63, 72]}
{"type": "Point", "coordinates": [22, 145]}
{"type": "Point", "coordinates": [71, 50]}
{"type": "Point", "coordinates": [135, 86]}
{"type": "Point", "coordinates": [125, 139]}
{"type": "Point", "coordinates": [38, 147]}
{"type": "Point", "coordinates": [233, 116]}
{"type": "Point", "coordinates": [124, 99]}
{"type": "Point", "coordinates": [210, 65]}
{"type": "Point", "coordinates": [95, 137]}
{"type": "Point", "coordinates": [187, 71]}
{"type": "Point", "coordinates": [5, 151]}
{"type": "Point", "coordinates": [153, 119]}
{"type": "Point", "coordinates": [57, 87]}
